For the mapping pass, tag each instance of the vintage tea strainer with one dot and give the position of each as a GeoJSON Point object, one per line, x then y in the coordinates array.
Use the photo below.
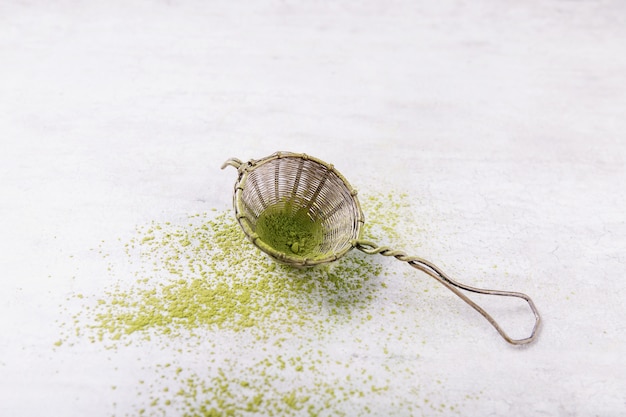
{"type": "Point", "coordinates": [294, 183]}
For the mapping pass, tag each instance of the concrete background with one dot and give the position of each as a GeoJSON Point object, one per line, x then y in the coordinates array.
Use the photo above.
{"type": "Point", "coordinates": [504, 122]}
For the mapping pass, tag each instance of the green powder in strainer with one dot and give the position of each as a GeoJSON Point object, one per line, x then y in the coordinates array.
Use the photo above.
{"type": "Point", "coordinates": [290, 233]}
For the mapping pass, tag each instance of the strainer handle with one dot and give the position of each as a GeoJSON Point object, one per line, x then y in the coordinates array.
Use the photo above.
{"type": "Point", "coordinates": [432, 270]}
{"type": "Point", "coordinates": [233, 162]}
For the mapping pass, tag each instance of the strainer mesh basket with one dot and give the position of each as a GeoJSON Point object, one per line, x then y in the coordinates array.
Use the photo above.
{"type": "Point", "coordinates": [295, 182]}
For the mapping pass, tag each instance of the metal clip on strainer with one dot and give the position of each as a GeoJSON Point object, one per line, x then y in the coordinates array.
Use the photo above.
{"type": "Point", "coordinates": [301, 188]}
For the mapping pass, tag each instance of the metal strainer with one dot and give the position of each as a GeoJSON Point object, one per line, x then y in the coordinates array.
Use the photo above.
{"type": "Point", "coordinates": [299, 185]}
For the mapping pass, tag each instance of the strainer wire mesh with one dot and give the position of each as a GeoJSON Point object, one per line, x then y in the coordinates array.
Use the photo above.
{"type": "Point", "coordinates": [296, 182]}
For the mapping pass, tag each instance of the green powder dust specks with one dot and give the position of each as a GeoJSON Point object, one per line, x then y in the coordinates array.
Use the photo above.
{"type": "Point", "coordinates": [389, 219]}
{"type": "Point", "coordinates": [269, 387]}
{"type": "Point", "coordinates": [205, 276]}
{"type": "Point", "coordinates": [290, 233]}
{"type": "Point", "coordinates": [246, 335]}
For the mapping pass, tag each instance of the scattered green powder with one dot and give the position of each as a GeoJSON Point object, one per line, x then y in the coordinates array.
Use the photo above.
{"type": "Point", "coordinates": [221, 281]}
{"type": "Point", "coordinates": [290, 233]}
{"type": "Point", "coordinates": [201, 282]}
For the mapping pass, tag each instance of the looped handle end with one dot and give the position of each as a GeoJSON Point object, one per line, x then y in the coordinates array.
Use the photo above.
{"type": "Point", "coordinates": [432, 270]}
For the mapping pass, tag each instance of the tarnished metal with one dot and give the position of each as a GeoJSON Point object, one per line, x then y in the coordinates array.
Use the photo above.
{"type": "Point", "coordinates": [432, 270]}
{"type": "Point", "coordinates": [305, 183]}
{"type": "Point", "coordinates": [300, 182]}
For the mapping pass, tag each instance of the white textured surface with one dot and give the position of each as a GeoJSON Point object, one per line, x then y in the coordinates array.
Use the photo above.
{"type": "Point", "coordinates": [506, 123]}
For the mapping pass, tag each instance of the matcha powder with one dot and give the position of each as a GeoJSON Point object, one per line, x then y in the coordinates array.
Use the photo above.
{"type": "Point", "coordinates": [229, 331]}
{"type": "Point", "coordinates": [290, 233]}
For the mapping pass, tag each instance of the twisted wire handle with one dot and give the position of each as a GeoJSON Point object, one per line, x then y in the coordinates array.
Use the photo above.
{"type": "Point", "coordinates": [432, 270]}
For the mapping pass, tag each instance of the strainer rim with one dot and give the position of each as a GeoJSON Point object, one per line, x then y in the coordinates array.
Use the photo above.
{"type": "Point", "coordinates": [247, 167]}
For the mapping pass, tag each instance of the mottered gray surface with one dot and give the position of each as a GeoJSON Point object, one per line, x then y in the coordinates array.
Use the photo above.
{"type": "Point", "coordinates": [503, 125]}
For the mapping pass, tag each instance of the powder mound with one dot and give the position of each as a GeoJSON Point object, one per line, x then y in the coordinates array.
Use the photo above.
{"type": "Point", "coordinates": [290, 233]}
